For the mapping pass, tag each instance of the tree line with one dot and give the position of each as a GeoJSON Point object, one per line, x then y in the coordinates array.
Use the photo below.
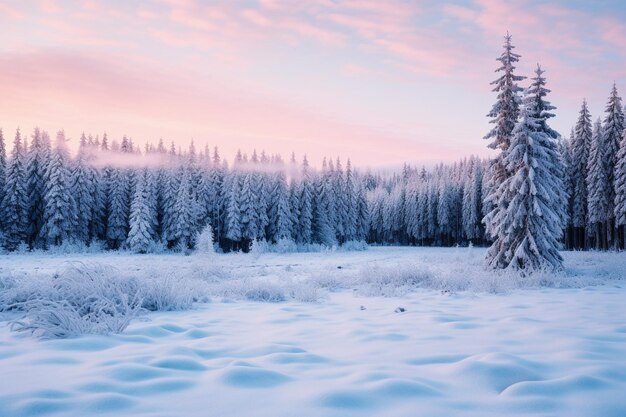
{"type": "Point", "coordinates": [118, 197]}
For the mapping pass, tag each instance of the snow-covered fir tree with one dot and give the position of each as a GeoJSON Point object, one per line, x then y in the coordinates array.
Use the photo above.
{"type": "Point", "coordinates": [543, 112]}
{"type": "Point", "coordinates": [527, 213]}
{"type": "Point", "coordinates": [620, 192]}
{"type": "Point", "coordinates": [503, 114]}
{"type": "Point", "coordinates": [304, 231]}
{"type": "Point", "coordinates": [565, 149]}
{"type": "Point", "coordinates": [280, 217]}
{"type": "Point", "coordinates": [581, 146]}
{"type": "Point", "coordinates": [472, 203]}
{"type": "Point", "coordinates": [82, 189]}
{"type": "Point", "coordinates": [352, 215]}
{"type": "Point", "coordinates": [119, 189]}
{"type": "Point", "coordinates": [233, 210]}
{"type": "Point", "coordinates": [612, 130]}
{"type": "Point", "coordinates": [3, 169]}
{"type": "Point", "coordinates": [185, 225]}
{"type": "Point", "coordinates": [14, 207]}
{"type": "Point", "coordinates": [597, 183]}
{"type": "Point", "coordinates": [60, 211]}
{"type": "Point", "coordinates": [37, 160]}
{"type": "Point", "coordinates": [248, 210]}
{"type": "Point", "coordinates": [141, 233]}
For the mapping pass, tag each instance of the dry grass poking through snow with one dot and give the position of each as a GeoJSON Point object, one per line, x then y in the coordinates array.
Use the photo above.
{"type": "Point", "coordinates": [89, 297]}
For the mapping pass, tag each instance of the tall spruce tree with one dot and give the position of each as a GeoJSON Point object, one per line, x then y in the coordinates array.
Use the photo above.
{"type": "Point", "coordinates": [620, 192]}
{"type": "Point", "coordinates": [530, 225]}
{"type": "Point", "coordinates": [14, 204]}
{"type": "Point", "coordinates": [503, 114]}
{"type": "Point", "coordinates": [140, 235]}
{"type": "Point", "coordinates": [233, 209]}
{"type": "Point", "coordinates": [280, 220]}
{"type": "Point", "coordinates": [3, 169]}
{"type": "Point", "coordinates": [247, 207]}
{"type": "Point", "coordinates": [597, 182]}
{"type": "Point", "coordinates": [472, 203]}
{"type": "Point", "coordinates": [305, 209]}
{"type": "Point", "coordinates": [60, 215]}
{"type": "Point", "coordinates": [351, 217]}
{"type": "Point", "coordinates": [37, 160]}
{"type": "Point", "coordinates": [119, 208]}
{"type": "Point", "coordinates": [542, 113]}
{"type": "Point", "coordinates": [613, 129]}
{"type": "Point", "coordinates": [581, 146]}
{"type": "Point", "coordinates": [185, 216]}
{"type": "Point", "coordinates": [565, 146]}
{"type": "Point", "coordinates": [82, 187]}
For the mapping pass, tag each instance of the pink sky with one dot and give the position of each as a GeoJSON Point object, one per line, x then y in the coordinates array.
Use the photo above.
{"type": "Point", "coordinates": [380, 82]}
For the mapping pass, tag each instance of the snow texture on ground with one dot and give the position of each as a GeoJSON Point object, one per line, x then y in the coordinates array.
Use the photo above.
{"type": "Point", "coordinates": [461, 347]}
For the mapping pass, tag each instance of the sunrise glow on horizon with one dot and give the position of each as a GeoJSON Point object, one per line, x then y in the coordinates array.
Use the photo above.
{"type": "Point", "coordinates": [381, 83]}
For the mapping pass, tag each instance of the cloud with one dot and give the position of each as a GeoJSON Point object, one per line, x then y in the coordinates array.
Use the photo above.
{"type": "Point", "coordinates": [97, 94]}
{"type": "Point", "coordinates": [356, 76]}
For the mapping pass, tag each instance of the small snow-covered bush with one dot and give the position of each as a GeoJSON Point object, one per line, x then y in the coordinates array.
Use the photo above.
{"type": "Point", "coordinates": [355, 245]}
{"type": "Point", "coordinates": [85, 298]}
{"type": "Point", "coordinates": [97, 246]}
{"type": "Point", "coordinates": [266, 290]}
{"type": "Point", "coordinates": [68, 246]}
{"type": "Point", "coordinates": [285, 245]}
{"type": "Point", "coordinates": [265, 293]}
{"type": "Point", "coordinates": [259, 247]}
{"type": "Point", "coordinates": [22, 248]}
{"type": "Point", "coordinates": [327, 281]}
{"type": "Point", "coordinates": [2, 243]}
{"type": "Point", "coordinates": [156, 247]}
{"type": "Point", "coordinates": [169, 293]}
{"type": "Point", "coordinates": [312, 247]}
{"type": "Point", "coordinates": [204, 241]}
{"type": "Point", "coordinates": [305, 292]}
{"type": "Point", "coordinates": [391, 282]}
{"type": "Point", "coordinates": [14, 290]}
{"type": "Point", "coordinates": [81, 299]}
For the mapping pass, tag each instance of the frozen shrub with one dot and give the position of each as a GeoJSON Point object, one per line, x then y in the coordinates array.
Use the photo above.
{"type": "Point", "coordinates": [391, 282]}
{"type": "Point", "coordinates": [2, 243]}
{"type": "Point", "coordinates": [327, 281]}
{"type": "Point", "coordinates": [304, 292]}
{"type": "Point", "coordinates": [168, 293]}
{"type": "Point", "coordinates": [69, 246]}
{"type": "Point", "coordinates": [14, 290]}
{"type": "Point", "coordinates": [22, 248]}
{"type": "Point", "coordinates": [355, 245]}
{"type": "Point", "coordinates": [312, 247]}
{"type": "Point", "coordinates": [285, 245]}
{"type": "Point", "coordinates": [97, 246]}
{"type": "Point", "coordinates": [156, 247]}
{"type": "Point", "coordinates": [204, 241]}
{"type": "Point", "coordinates": [93, 299]}
{"type": "Point", "coordinates": [259, 247]}
{"type": "Point", "coordinates": [60, 318]}
{"type": "Point", "coordinates": [80, 300]}
{"type": "Point", "coordinates": [264, 292]}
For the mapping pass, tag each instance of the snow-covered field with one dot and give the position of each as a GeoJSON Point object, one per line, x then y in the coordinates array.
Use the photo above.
{"type": "Point", "coordinates": [336, 343]}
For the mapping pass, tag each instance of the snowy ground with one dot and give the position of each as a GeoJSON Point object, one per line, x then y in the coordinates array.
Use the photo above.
{"type": "Point", "coordinates": [334, 346]}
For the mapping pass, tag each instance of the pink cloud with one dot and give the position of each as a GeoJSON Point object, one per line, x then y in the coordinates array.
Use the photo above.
{"type": "Point", "coordinates": [256, 17]}
{"type": "Point", "coordinates": [50, 6]}
{"type": "Point", "coordinates": [59, 90]}
{"type": "Point", "coordinates": [386, 27]}
{"type": "Point", "coordinates": [613, 31]}
{"type": "Point", "coordinates": [10, 12]}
